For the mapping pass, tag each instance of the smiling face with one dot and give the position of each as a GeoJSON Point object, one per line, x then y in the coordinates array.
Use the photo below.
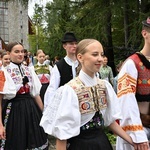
{"type": "Point", "coordinates": [17, 54]}
{"type": "Point", "coordinates": [6, 60]}
{"type": "Point", "coordinates": [92, 57]}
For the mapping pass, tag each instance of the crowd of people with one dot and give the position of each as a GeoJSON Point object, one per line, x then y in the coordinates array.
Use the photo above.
{"type": "Point", "coordinates": [73, 98]}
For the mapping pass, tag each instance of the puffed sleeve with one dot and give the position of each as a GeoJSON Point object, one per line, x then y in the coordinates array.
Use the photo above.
{"type": "Point", "coordinates": [62, 116]}
{"type": "Point", "coordinates": [36, 84]}
{"type": "Point", "coordinates": [7, 86]}
{"type": "Point", "coordinates": [113, 111]}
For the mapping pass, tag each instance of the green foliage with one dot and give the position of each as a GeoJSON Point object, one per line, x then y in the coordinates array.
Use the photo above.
{"type": "Point", "coordinates": [110, 22]}
{"type": "Point", "coordinates": [111, 136]}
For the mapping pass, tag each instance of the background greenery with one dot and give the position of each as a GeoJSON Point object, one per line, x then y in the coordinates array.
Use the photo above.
{"type": "Point", "coordinates": [116, 24]}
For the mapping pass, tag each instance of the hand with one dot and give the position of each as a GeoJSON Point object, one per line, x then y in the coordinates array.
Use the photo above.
{"type": "Point", "coordinates": [142, 146]}
{"type": "Point", "coordinates": [2, 132]}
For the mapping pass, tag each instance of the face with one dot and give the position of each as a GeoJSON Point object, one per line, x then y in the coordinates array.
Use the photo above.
{"type": "Point", "coordinates": [70, 47]}
{"type": "Point", "coordinates": [105, 61]}
{"type": "Point", "coordinates": [41, 57]}
{"type": "Point", "coordinates": [17, 54]}
{"type": "Point", "coordinates": [6, 60]}
{"type": "Point", "coordinates": [92, 59]}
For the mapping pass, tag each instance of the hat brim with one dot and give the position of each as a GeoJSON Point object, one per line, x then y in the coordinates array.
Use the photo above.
{"type": "Point", "coordinates": [145, 24]}
{"type": "Point", "coordinates": [65, 41]}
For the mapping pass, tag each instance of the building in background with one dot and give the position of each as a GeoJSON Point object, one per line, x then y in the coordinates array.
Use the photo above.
{"type": "Point", "coordinates": [15, 24]}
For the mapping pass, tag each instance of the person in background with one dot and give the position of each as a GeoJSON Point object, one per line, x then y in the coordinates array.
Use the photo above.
{"type": "Point", "coordinates": [5, 59]}
{"type": "Point", "coordinates": [22, 114]}
{"type": "Point", "coordinates": [134, 95]}
{"type": "Point", "coordinates": [31, 59]}
{"type": "Point", "coordinates": [65, 69]}
{"type": "Point", "coordinates": [43, 72]}
{"type": "Point", "coordinates": [1, 51]}
{"type": "Point", "coordinates": [5, 62]}
{"type": "Point", "coordinates": [118, 67]}
{"type": "Point", "coordinates": [75, 114]}
{"type": "Point", "coordinates": [47, 60]}
{"type": "Point", "coordinates": [106, 71]}
{"type": "Point", "coordinates": [26, 60]}
{"type": "Point", "coordinates": [7, 91]}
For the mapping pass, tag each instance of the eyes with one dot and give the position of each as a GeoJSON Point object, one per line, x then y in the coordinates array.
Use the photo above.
{"type": "Point", "coordinates": [97, 54]}
{"type": "Point", "coordinates": [19, 51]}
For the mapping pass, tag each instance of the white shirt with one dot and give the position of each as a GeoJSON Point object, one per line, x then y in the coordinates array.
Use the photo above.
{"type": "Point", "coordinates": [55, 79]}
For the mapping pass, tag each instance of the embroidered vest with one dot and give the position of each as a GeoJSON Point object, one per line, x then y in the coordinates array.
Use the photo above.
{"type": "Point", "coordinates": [91, 99]}
{"type": "Point", "coordinates": [143, 79]}
{"type": "Point", "coordinates": [44, 69]}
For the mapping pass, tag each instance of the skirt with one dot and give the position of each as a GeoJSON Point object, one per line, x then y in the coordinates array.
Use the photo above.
{"type": "Point", "coordinates": [21, 118]}
{"type": "Point", "coordinates": [90, 140]}
{"type": "Point", "coordinates": [43, 90]}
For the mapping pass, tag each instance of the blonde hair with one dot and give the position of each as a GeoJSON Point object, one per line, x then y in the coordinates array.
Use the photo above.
{"type": "Point", "coordinates": [39, 51]}
{"type": "Point", "coordinates": [81, 49]}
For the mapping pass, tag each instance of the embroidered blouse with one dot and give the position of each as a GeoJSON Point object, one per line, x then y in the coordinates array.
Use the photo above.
{"type": "Point", "coordinates": [19, 72]}
{"type": "Point", "coordinates": [63, 116]}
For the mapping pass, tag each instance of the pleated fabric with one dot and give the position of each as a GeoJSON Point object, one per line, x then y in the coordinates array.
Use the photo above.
{"type": "Point", "coordinates": [90, 140]}
{"type": "Point", "coordinates": [21, 118]}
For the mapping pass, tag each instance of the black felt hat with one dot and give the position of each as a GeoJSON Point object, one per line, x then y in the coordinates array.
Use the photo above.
{"type": "Point", "coordinates": [69, 37]}
{"type": "Point", "coordinates": [146, 22]}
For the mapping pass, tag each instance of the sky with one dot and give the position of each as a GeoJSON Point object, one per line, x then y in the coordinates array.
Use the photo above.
{"type": "Point", "coordinates": [32, 3]}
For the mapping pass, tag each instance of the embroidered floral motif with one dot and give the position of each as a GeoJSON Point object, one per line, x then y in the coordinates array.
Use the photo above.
{"type": "Point", "coordinates": [16, 74]}
{"type": "Point", "coordinates": [2, 146]}
{"type": "Point", "coordinates": [94, 123]}
{"type": "Point", "coordinates": [91, 99]}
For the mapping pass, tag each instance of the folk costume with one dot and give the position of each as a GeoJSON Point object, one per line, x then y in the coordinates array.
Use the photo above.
{"type": "Point", "coordinates": [63, 72]}
{"type": "Point", "coordinates": [106, 73]}
{"type": "Point", "coordinates": [78, 110]}
{"type": "Point", "coordinates": [43, 72]}
{"type": "Point", "coordinates": [133, 87]}
{"type": "Point", "coordinates": [21, 116]}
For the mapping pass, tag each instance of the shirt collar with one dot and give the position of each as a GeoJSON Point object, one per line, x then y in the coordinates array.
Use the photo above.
{"type": "Point", "coordinates": [70, 61]}
{"type": "Point", "coordinates": [86, 79]}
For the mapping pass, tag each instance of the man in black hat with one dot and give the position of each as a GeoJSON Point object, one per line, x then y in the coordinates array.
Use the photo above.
{"type": "Point", "coordinates": [134, 95]}
{"type": "Point", "coordinates": [65, 69]}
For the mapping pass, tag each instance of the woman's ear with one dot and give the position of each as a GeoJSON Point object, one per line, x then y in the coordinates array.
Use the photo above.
{"type": "Point", "coordinates": [80, 58]}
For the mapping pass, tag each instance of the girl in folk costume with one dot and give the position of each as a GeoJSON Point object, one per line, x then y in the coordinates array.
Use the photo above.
{"type": "Point", "coordinates": [133, 91]}
{"type": "Point", "coordinates": [76, 112]}
{"type": "Point", "coordinates": [43, 72]}
{"type": "Point", "coordinates": [22, 114]}
{"type": "Point", "coordinates": [7, 91]}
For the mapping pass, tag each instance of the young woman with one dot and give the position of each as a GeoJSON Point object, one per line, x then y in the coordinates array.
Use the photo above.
{"type": "Point", "coordinates": [43, 72]}
{"type": "Point", "coordinates": [22, 114]}
{"type": "Point", "coordinates": [78, 110]}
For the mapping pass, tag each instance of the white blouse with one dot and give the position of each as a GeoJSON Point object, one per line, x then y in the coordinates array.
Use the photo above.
{"type": "Point", "coordinates": [62, 117]}
{"type": "Point", "coordinates": [8, 90]}
{"type": "Point", "coordinates": [17, 75]}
